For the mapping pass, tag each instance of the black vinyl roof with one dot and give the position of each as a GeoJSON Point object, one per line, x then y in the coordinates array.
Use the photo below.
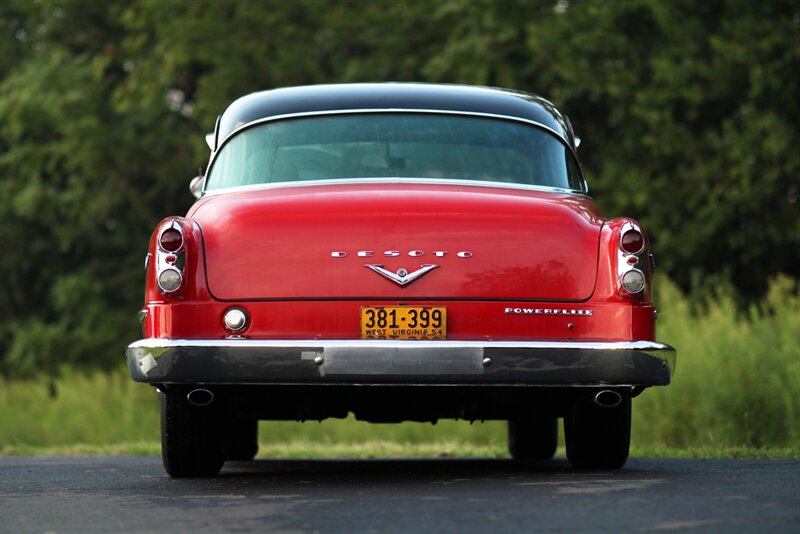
{"type": "Point", "coordinates": [394, 96]}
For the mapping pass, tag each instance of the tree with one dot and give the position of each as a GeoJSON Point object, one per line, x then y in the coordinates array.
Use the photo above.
{"type": "Point", "coordinates": [83, 184]}
{"type": "Point", "coordinates": [688, 111]}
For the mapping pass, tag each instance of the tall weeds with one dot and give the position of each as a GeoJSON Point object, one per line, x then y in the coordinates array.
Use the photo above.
{"type": "Point", "coordinates": [738, 375]}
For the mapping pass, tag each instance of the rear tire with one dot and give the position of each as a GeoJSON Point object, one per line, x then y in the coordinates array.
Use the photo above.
{"type": "Point", "coordinates": [191, 436]}
{"type": "Point", "coordinates": [598, 437]}
{"type": "Point", "coordinates": [533, 439]}
{"type": "Point", "coordinates": [241, 440]}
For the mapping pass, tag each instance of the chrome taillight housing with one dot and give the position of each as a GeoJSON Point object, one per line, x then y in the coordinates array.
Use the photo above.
{"type": "Point", "coordinates": [631, 267]}
{"type": "Point", "coordinates": [170, 258]}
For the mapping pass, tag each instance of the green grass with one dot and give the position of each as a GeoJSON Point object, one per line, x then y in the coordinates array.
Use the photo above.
{"type": "Point", "coordinates": [736, 393]}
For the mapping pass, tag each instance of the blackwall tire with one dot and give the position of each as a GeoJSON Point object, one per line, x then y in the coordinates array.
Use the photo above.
{"type": "Point", "coordinates": [533, 439]}
{"type": "Point", "coordinates": [191, 436]}
{"type": "Point", "coordinates": [598, 437]}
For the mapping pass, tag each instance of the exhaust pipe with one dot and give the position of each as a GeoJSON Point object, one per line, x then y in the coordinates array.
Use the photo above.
{"type": "Point", "coordinates": [608, 399]}
{"type": "Point", "coordinates": [200, 397]}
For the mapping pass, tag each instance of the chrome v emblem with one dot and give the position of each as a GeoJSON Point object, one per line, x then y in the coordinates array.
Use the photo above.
{"type": "Point", "coordinates": [403, 277]}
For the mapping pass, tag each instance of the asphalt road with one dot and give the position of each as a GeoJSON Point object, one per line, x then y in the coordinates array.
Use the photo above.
{"type": "Point", "coordinates": [115, 494]}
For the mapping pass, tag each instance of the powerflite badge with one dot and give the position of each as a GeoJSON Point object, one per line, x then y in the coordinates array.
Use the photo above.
{"type": "Point", "coordinates": [547, 311]}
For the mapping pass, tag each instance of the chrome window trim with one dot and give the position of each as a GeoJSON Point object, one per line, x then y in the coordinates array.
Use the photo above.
{"type": "Point", "coordinates": [421, 181]}
{"type": "Point", "coordinates": [246, 126]}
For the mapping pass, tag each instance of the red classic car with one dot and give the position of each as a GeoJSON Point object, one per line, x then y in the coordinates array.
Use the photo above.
{"type": "Point", "coordinates": [401, 252]}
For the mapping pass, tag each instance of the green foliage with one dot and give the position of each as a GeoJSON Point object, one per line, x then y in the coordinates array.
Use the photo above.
{"type": "Point", "coordinates": [738, 377]}
{"type": "Point", "coordinates": [688, 111]}
{"type": "Point", "coordinates": [81, 190]}
{"type": "Point", "coordinates": [690, 115]}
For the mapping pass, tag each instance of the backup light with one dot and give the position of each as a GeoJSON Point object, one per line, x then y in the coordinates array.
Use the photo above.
{"type": "Point", "coordinates": [169, 280]}
{"type": "Point", "coordinates": [633, 281]}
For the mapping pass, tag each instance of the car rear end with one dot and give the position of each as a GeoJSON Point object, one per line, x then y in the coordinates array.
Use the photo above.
{"type": "Point", "coordinates": [396, 298]}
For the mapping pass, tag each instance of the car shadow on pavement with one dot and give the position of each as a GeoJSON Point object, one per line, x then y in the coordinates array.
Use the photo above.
{"type": "Point", "coordinates": [398, 470]}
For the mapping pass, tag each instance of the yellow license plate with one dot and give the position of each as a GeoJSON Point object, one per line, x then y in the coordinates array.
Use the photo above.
{"type": "Point", "coordinates": [403, 322]}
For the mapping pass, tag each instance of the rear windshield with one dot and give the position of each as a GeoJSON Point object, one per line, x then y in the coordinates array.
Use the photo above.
{"type": "Point", "coordinates": [394, 145]}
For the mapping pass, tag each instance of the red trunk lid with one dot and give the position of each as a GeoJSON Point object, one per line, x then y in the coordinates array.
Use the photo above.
{"type": "Point", "coordinates": [304, 242]}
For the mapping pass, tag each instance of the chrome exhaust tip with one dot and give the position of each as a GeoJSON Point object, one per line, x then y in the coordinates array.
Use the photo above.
{"type": "Point", "coordinates": [200, 397]}
{"type": "Point", "coordinates": [608, 399]}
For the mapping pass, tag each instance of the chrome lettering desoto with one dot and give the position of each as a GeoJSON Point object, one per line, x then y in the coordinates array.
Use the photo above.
{"type": "Point", "coordinates": [464, 254]}
{"type": "Point", "coordinates": [547, 311]}
{"type": "Point", "coordinates": [402, 277]}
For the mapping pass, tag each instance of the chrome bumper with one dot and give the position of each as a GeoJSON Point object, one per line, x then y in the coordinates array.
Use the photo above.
{"type": "Point", "coordinates": [235, 361]}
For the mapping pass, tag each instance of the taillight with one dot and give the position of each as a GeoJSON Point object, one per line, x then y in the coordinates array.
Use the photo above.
{"type": "Point", "coordinates": [171, 240]}
{"type": "Point", "coordinates": [632, 242]}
